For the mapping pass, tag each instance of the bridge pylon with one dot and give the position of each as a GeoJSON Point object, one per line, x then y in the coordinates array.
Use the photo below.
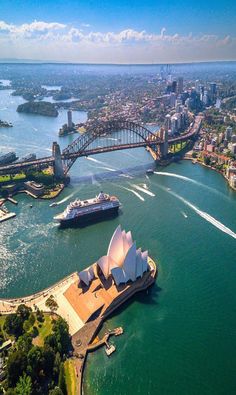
{"type": "Point", "coordinates": [164, 144]}
{"type": "Point", "coordinates": [58, 166]}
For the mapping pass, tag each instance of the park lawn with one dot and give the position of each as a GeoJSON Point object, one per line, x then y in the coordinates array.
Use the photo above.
{"type": "Point", "coordinates": [44, 331]}
{"type": "Point", "coordinates": [2, 320]}
{"type": "Point", "coordinates": [16, 177]}
{"type": "Point", "coordinates": [70, 377]}
{"type": "Point", "coordinates": [5, 334]}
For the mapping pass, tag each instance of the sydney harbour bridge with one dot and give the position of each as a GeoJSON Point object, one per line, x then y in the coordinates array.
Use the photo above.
{"type": "Point", "coordinates": [104, 137]}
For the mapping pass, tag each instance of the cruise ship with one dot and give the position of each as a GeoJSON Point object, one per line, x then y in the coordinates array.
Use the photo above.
{"type": "Point", "coordinates": [81, 212]}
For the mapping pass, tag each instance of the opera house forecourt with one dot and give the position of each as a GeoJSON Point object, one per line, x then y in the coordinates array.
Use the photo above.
{"type": "Point", "coordinates": [85, 299]}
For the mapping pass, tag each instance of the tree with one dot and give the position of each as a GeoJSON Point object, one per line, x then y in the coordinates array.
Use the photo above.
{"type": "Point", "coordinates": [207, 160]}
{"type": "Point", "coordinates": [14, 325]}
{"type": "Point", "coordinates": [61, 331]}
{"type": "Point", "coordinates": [24, 343]}
{"type": "Point", "coordinates": [48, 360]}
{"type": "Point", "coordinates": [24, 385]}
{"type": "Point", "coordinates": [59, 340]}
{"type": "Point", "coordinates": [16, 365]}
{"type": "Point", "coordinates": [23, 311]}
{"type": "Point", "coordinates": [1, 336]}
{"type": "Point", "coordinates": [35, 361]}
{"type": "Point", "coordinates": [61, 380]}
{"type": "Point", "coordinates": [51, 304]}
{"type": "Point", "coordinates": [56, 391]}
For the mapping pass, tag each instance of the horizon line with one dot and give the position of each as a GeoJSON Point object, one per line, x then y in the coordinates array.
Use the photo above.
{"type": "Point", "coordinates": [32, 61]}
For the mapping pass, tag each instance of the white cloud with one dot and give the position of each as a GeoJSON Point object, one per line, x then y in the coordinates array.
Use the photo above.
{"type": "Point", "coordinates": [57, 41]}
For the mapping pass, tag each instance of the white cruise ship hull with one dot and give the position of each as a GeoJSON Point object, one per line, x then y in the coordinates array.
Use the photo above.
{"type": "Point", "coordinates": [87, 218]}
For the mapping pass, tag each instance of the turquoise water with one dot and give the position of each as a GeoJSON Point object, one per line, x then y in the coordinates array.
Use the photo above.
{"type": "Point", "coordinates": [180, 338]}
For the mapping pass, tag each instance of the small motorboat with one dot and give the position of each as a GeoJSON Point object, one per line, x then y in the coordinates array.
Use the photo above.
{"type": "Point", "coordinates": [149, 171]}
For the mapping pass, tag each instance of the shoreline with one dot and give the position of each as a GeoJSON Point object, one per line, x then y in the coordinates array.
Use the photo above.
{"type": "Point", "coordinates": [211, 168]}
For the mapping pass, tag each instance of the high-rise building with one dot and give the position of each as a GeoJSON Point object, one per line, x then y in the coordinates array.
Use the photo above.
{"type": "Point", "coordinates": [228, 133]}
{"type": "Point", "coordinates": [174, 86]}
{"type": "Point", "coordinates": [69, 118]}
{"type": "Point", "coordinates": [213, 89]}
{"type": "Point", "coordinates": [172, 99]}
{"type": "Point", "coordinates": [180, 86]}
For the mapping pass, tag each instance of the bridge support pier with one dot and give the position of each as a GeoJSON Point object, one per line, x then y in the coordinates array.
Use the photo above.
{"type": "Point", "coordinates": [164, 145]}
{"type": "Point", "coordinates": [58, 166]}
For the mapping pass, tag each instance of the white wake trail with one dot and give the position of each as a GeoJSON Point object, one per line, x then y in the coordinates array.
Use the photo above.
{"type": "Point", "coordinates": [204, 215]}
{"type": "Point", "coordinates": [174, 175]}
{"type": "Point", "coordinates": [94, 160]}
{"type": "Point", "coordinates": [66, 198]}
{"type": "Point", "coordinates": [134, 192]}
{"type": "Point", "coordinates": [144, 190]}
{"type": "Point", "coordinates": [106, 168]}
{"type": "Point", "coordinates": [125, 175]}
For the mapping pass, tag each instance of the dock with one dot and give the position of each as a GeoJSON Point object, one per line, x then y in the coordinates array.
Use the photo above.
{"type": "Point", "coordinates": [10, 199]}
{"type": "Point", "coordinates": [5, 216]}
{"type": "Point", "coordinates": [104, 341]}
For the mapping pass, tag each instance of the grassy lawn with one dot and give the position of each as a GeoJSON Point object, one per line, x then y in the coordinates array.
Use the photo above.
{"type": "Point", "coordinates": [51, 194]}
{"type": "Point", "coordinates": [16, 177]}
{"type": "Point", "coordinates": [70, 377]}
{"type": "Point", "coordinates": [2, 320]}
{"type": "Point", "coordinates": [44, 331]}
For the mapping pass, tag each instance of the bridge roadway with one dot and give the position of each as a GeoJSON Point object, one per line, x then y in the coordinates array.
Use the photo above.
{"type": "Point", "coordinates": [47, 161]}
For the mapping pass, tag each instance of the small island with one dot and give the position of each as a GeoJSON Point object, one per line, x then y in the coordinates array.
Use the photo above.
{"type": "Point", "coordinates": [40, 108]}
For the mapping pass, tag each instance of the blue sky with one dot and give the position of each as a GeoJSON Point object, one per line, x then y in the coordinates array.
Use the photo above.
{"type": "Point", "coordinates": [171, 29]}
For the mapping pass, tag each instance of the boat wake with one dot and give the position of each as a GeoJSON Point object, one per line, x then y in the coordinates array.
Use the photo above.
{"type": "Point", "coordinates": [125, 175]}
{"type": "Point", "coordinates": [66, 198]}
{"type": "Point", "coordinates": [144, 190]}
{"type": "Point", "coordinates": [94, 160]}
{"type": "Point", "coordinates": [184, 214]}
{"type": "Point", "coordinates": [174, 175]}
{"type": "Point", "coordinates": [106, 168]}
{"type": "Point", "coordinates": [134, 192]}
{"type": "Point", "coordinates": [204, 215]}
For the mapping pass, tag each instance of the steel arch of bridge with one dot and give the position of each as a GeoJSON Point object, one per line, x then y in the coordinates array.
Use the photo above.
{"type": "Point", "coordinates": [79, 147]}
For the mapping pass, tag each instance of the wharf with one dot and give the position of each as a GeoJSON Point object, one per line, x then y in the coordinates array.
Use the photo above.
{"type": "Point", "coordinates": [10, 199]}
{"type": "Point", "coordinates": [5, 216]}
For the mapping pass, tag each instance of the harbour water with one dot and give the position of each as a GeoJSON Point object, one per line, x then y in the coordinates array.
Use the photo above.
{"type": "Point", "coordinates": [180, 337]}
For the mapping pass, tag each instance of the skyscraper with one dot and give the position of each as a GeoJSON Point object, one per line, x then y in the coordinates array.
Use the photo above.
{"type": "Point", "coordinates": [69, 118]}
{"type": "Point", "coordinates": [180, 85]}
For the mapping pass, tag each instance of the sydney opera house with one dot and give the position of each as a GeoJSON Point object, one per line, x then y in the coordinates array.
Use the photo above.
{"type": "Point", "coordinates": [123, 263]}
{"type": "Point", "coordinates": [106, 284]}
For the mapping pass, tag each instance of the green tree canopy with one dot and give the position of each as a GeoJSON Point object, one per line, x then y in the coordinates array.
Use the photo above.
{"type": "Point", "coordinates": [14, 325]}
{"type": "Point", "coordinates": [16, 365]}
{"type": "Point", "coordinates": [24, 385]}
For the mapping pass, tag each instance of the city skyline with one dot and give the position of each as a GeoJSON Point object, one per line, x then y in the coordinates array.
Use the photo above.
{"type": "Point", "coordinates": [118, 32]}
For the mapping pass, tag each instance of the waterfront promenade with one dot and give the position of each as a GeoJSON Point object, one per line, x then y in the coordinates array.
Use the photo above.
{"type": "Point", "coordinates": [65, 310]}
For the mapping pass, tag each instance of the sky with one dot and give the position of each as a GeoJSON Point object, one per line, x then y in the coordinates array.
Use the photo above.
{"type": "Point", "coordinates": [118, 31]}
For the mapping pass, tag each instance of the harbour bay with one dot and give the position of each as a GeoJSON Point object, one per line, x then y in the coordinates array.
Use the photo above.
{"type": "Point", "coordinates": [179, 338]}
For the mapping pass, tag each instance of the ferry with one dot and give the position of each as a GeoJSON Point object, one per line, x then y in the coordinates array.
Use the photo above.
{"type": "Point", "coordinates": [81, 212]}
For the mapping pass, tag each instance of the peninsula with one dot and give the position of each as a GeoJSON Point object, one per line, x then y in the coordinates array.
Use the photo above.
{"type": "Point", "coordinates": [87, 298]}
{"type": "Point", "coordinates": [38, 107]}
